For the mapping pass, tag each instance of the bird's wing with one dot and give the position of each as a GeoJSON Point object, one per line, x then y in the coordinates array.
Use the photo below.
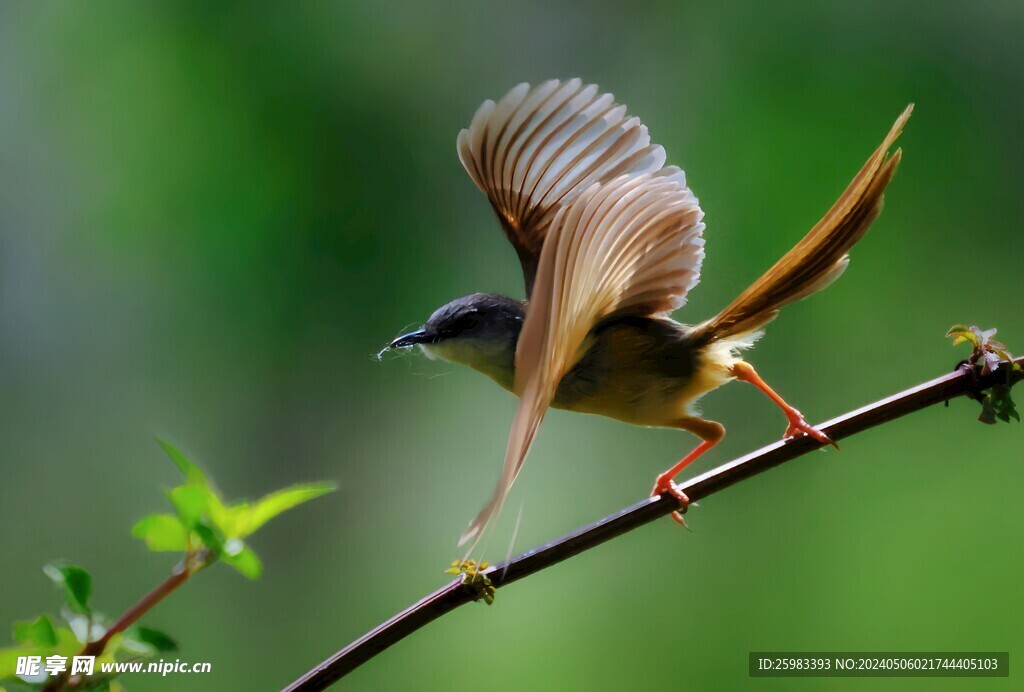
{"type": "Point", "coordinates": [629, 246]}
{"type": "Point", "coordinates": [535, 150]}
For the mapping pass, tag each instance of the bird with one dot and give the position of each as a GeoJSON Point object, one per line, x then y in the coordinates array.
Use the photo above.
{"type": "Point", "coordinates": [611, 240]}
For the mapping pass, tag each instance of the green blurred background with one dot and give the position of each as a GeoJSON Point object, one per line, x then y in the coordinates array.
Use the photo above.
{"type": "Point", "coordinates": [212, 216]}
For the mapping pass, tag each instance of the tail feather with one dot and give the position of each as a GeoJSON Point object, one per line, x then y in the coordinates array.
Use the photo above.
{"type": "Point", "coordinates": [821, 257]}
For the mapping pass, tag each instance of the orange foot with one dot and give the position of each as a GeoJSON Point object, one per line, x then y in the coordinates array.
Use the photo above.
{"type": "Point", "coordinates": [664, 485]}
{"type": "Point", "coordinates": [798, 426]}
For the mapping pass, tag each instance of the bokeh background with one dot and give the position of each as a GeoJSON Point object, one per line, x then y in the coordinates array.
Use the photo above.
{"type": "Point", "coordinates": [213, 215]}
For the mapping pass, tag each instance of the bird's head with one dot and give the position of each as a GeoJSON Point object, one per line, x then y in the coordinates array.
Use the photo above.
{"type": "Point", "coordinates": [479, 330]}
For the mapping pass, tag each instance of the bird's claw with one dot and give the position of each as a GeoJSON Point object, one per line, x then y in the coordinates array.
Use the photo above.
{"type": "Point", "coordinates": [798, 426]}
{"type": "Point", "coordinates": [668, 486]}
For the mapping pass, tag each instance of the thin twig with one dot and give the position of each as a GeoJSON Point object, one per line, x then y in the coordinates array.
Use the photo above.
{"type": "Point", "coordinates": [193, 562]}
{"type": "Point", "coordinates": [964, 380]}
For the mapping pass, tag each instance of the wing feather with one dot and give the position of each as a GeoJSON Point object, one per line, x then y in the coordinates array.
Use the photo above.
{"type": "Point", "coordinates": [537, 149]}
{"type": "Point", "coordinates": [632, 245]}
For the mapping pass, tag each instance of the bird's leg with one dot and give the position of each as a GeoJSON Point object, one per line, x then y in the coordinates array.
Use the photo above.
{"type": "Point", "coordinates": [797, 425]}
{"type": "Point", "coordinates": [710, 434]}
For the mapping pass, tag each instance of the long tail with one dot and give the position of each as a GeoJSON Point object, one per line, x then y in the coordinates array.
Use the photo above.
{"type": "Point", "coordinates": [818, 259]}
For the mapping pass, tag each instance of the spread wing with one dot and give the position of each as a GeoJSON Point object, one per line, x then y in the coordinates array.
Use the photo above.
{"type": "Point", "coordinates": [630, 246]}
{"type": "Point", "coordinates": [535, 150]}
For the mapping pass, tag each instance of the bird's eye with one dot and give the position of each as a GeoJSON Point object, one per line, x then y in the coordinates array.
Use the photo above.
{"type": "Point", "coordinates": [463, 323]}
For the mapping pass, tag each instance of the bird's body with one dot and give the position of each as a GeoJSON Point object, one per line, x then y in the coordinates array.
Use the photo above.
{"type": "Point", "coordinates": [610, 240]}
{"type": "Point", "coordinates": [639, 370]}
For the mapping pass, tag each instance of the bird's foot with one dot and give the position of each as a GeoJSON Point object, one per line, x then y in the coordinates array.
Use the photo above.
{"type": "Point", "coordinates": [665, 485]}
{"type": "Point", "coordinates": [798, 426]}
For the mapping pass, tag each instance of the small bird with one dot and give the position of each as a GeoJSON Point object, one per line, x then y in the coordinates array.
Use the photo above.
{"type": "Point", "coordinates": [610, 240]}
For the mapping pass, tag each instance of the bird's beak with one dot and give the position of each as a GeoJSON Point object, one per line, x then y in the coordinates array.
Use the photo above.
{"type": "Point", "coordinates": [419, 336]}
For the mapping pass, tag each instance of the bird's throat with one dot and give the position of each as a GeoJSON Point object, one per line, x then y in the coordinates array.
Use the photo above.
{"type": "Point", "coordinates": [494, 359]}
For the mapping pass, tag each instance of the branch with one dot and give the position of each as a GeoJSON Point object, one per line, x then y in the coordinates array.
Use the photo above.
{"type": "Point", "coordinates": [965, 380]}
{"type": "Point", "coordinates": [193, 562]}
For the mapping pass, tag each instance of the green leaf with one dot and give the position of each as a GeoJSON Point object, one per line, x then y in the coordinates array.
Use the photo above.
{"type": "Point", "coordinates": [277, 502]}
{"type": "Point", "coordinates": [9, 661]}
{"type": "Point", "coordinates": [38, 632]}
{"type": "Point", "coordinates": [148, 641]}
{"type": "Point", "coordinates": [1002, 403]}
{"type": "Point", "coordinates": [210, 537]}
{"type": "Point", "coordinates": [66, 644]}
{"type": "Point", "coordinates": [242, 558]}
{"type": "Point", "coordinates": [233, 520]}
{"type": "Point", "coordinates": [160, 641]}
{"type": "Point", "coordinates": [220, 516]}
{"type": "Point", "coordinates": [162, 532]}
{"type": "Point", "coordinates": [192, 503]}
{"type": "Point", "coordinates": [74, 582]}
{"type": "Point", "coordinates": [109, 684]}
{"type": "Point", "coordinates": [192, 473]}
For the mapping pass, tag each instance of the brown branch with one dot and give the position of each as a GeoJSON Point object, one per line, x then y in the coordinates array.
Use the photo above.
{"type": "Point", "coordinates": [965, 380]}
{"type": "Point", "coordinates": [193, 562]}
